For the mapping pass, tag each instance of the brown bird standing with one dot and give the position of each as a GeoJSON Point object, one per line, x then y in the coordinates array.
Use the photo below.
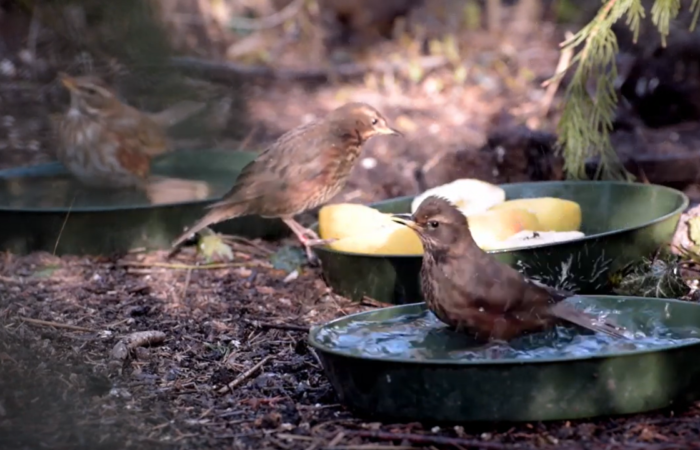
{"type": "Point", "coordinates": [470, 290]}
{"type": "Point", "coordinates": [104, 142]}
{"type": "Point", "coordinates": [303, 169]}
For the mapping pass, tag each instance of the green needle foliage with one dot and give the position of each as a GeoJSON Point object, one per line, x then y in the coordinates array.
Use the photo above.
{"type": "Point", "coordinates": [586, 122]}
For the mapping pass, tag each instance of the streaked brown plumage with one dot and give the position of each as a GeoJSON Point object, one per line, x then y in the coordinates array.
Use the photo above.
{"type": "Point", "coordinates": [106, 143]}
{"type": "Point", "coordinates": [470, 290]}
{"type": "Point", "coordinates": [303, 169]}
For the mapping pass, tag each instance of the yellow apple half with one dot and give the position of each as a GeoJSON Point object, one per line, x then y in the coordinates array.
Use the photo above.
{"type": "Point", "coordinates": [346, 219]}
{"type": "Point", "coordinates": [387, 239]}
{"type": "Point", "coordinates": [491, 227]}
{"type": "Point", "coordinates": [553, 214]}
{"type": "Point", "coordinates": [361, 229]}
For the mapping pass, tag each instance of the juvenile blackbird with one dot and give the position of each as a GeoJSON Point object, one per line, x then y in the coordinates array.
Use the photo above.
{"type": "Point", "coordinates": [303, 169]}
{"type": "Point", "coordinates": [471, 291]}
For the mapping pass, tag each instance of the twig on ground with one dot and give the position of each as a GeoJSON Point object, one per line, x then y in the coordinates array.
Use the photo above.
{"type": "Point", "coordinates": [372, 447]}
{"type": "Point", "coordinates": [336, 440]}
{"type": "Point", "coordinates": [369, 301]}
{"type": "Point", "coordinates": [278, 326]}
{"type": "Point", "coordinates": [240, 379]}
{"type": "Point", "coordinates": [57, 325]}
{"type": "Point", "coordinates": [188, 266]}
{"type": "Point", "coordinates": [228, 239]}
{"type": "Point", "coordinates": [5, 279]}
{"type": "Point", "coordinates": [183, 294]}
{"type": "Point", "coordinates": [427, 439]}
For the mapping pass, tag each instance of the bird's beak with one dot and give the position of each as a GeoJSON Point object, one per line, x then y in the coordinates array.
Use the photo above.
{"type": "Point", "coordinates": [384, 129]}
{"type": "Point", "coordinates": [405, 219]}
{"type": "Point", "coordinates": [67, 81]}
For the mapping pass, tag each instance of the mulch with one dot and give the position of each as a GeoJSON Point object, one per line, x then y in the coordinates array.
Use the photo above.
{"type": "Point", "coordinates": [133, 351]}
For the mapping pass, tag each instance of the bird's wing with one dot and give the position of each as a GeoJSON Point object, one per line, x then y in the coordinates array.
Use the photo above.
{"type": "Point", "coordinates": [486, 283]}
{"type": "Point", "coordinates": [131, 150]}
{"type": "Point", "coordinates": [138, 133]}
{"type": "Point", "coordinates": [556, 295]}
{"type": "Point", "coordinates": [270, 174]}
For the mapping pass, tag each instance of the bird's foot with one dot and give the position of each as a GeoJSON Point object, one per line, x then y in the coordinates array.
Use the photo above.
{"type": "Point", "coordinates": [308, 239]}
{"type": "Point", "coordinates": [310, 255]}
{"type": "Point", "coordinates": [303, 234]}
{"type": "Point", "coordinates": [309, 234]}
{"type": "Point", "coordinates": [317, 242]}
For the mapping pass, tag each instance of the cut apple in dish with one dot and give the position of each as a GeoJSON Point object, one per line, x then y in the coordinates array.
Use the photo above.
{"type": "Point", "coordinates": [361, 229]}
{"type": "Point", "coordinates": [528, 238]}
{"type": "Point", "coordinates": [469, 195]}
{"type": "Point", "coordinates": [495, 223]}
{"type": "Point", "coordinates": [553, 214]}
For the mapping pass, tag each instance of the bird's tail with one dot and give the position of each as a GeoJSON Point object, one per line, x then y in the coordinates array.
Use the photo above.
{"type": "Point", "coordinates": [212, 217]}
{"type": "Point", "coordinates": [574, 315]}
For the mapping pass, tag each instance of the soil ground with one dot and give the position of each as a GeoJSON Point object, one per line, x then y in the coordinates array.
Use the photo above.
{"type": "Point", "coordinates": [63, 385]}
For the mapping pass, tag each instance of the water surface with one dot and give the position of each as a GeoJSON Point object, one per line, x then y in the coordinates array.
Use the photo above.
{"type": "Point", "coordinates": [423, 337]}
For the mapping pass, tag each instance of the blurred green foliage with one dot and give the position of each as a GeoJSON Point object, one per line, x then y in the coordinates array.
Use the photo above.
{"type": "Point", "coordinates": [586, 121]}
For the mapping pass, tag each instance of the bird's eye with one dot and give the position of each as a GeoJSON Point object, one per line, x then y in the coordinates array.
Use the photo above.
{"type": "Point", "coordinates": [433, 224]}
{"type": "Point", "coordinates": [375, 121]}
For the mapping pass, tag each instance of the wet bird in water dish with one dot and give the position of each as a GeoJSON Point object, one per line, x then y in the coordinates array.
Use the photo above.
{"type": "Point", "coordinates": [471, 291]}
{"type": "Point", "coordinates": [303, 169]}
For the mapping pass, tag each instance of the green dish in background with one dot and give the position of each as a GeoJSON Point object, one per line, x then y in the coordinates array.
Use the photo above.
{"type": "Point", "coordinates": [437, 388]}
{"type": "Point", "coordinates": [40, 203]}
{"type": "Point", "coordinates": [623, 222]}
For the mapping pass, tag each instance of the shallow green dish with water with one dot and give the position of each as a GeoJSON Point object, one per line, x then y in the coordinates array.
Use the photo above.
{"type": "Point", "coordinates": [623, 222]}
{"type": "Point", "coordinates": [401, 363]}
{"type": "Point", "coordinates": [40, 203]}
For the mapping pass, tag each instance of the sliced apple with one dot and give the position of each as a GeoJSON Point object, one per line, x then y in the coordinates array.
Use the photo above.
{"type": "Point", "coordinates": [491, 227]}
{"type": "Point", "coordinates": [553, 214]}
{"type": "Point", "coordinates": [527, 238]}
{"type": "Point", "coordinates": [471, 196]}
{"type": "Point", "coordinates": [346, 219]}
{"type": "Point", "coordinates": [386, 239]}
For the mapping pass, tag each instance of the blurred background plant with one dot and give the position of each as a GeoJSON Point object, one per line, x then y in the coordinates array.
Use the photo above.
{"type": "Point", "coordinates": [469, 53]}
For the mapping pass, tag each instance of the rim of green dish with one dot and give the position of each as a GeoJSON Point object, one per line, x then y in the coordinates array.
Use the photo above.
{"type": "Point", "coordinates": [100, 209]}
{"type": "Point", "coordinates": [313, 342]}
{"type": "Point", "coordinates": [684, 204]}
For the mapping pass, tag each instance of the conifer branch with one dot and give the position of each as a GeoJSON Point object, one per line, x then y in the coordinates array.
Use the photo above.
{"type": "Point", "coordinates": [586, 121]}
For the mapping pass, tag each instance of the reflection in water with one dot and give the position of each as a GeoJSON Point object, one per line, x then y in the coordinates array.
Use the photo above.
{"type": "Point", "coordinates": [63, 191]}
{"type": "Point", "coordinates": [422, 336]}
{"type": "Point", "coordinates": [164, 190]}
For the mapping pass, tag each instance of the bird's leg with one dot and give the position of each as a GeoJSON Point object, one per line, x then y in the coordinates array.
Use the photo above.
{"type": "Point", "coordinates": [307, 238]}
